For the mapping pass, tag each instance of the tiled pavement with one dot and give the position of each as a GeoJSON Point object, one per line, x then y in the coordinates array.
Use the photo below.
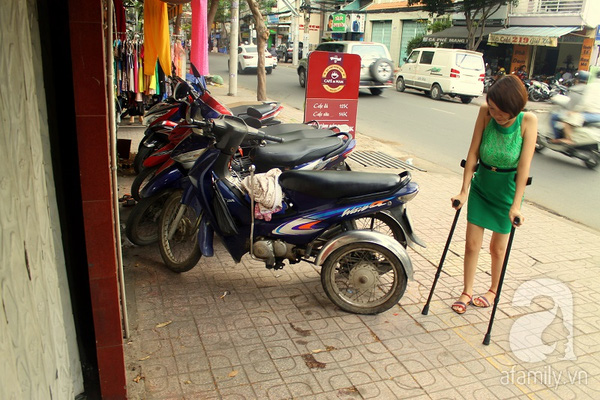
{"type": "Point", "coordinates": [240, 331]}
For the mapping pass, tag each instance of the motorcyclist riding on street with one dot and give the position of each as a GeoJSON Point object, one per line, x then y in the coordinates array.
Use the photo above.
{"type": "Point", "coordinates": [583, 107]}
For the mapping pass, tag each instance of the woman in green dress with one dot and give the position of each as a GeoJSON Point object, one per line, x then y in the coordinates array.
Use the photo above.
{"type": "Point", "coordinates": [496, 170]}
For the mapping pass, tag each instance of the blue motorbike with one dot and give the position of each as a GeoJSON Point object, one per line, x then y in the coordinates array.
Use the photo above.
{"type": "Point", "coordinates": [364, 271]}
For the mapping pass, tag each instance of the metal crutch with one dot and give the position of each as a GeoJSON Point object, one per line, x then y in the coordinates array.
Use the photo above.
{"type": "Point", "coordinates": [486, 339]}
{"type": "Point", "coordinates": [455, 203]}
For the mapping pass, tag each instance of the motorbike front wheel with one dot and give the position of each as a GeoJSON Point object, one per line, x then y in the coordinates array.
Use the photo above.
{"type": "Point", "coordinates": [143, 153]}
{"type": "Point", "coordinates": [534, 95]}
{"type": "Point", "coordinates": [178, 235]}
{"type": "Point", "coordinates": [141, 180]}
{"type": "Point", "coordinates": [539, 144]}
{"type": "Point", "coordinates": [363, 278]}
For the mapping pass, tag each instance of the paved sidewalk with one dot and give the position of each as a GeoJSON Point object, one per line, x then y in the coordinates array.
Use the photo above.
{"type": "Point", "coordinates": [240, 331]}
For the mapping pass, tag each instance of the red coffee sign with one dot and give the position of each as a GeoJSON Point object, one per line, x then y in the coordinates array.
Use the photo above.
{"type": "Point", "coordinates": [332, 89]}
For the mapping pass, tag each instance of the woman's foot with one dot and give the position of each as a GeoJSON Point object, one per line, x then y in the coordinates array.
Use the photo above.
{"type": "Point", "coordinates": [460, 306]}
{"type": "Point", "coordinates": [486, 300]}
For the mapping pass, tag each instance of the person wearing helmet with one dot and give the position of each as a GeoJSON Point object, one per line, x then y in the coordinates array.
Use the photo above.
{"type": "Point", "coordinates": [583, 108]}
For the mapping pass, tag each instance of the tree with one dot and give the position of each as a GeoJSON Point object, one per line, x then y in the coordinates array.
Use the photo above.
{"type": "Point", "coordinates": [476, 12]}
{"type": "Point", "coordinates": [435, 26]}
{"type": "Point", "coordinates": [262, 34]}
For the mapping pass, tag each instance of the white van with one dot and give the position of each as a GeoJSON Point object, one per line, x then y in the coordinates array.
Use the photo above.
{"type": "Point", "coordinates": [439, 71]}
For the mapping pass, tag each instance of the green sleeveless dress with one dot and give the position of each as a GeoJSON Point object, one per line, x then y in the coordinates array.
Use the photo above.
{"type": "Point", "coordinates": [492, 192]}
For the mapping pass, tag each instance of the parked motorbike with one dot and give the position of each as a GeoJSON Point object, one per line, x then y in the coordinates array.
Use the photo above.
{"type": "Point", "coordinates": [539, 91]}
{"type": "Point", "coordinates": [363, 271]}
{"type": "Point", "coordinates": [164, 115]}
{"type": "Point", "coordinates": [585, 138]}
{"type": "Point", "coordinates": [304, 149]}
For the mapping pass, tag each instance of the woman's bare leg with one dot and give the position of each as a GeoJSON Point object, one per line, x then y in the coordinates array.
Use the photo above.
{"type": "Point", "coordinates": [498, 245]}
{"type": "Point", "coordinates": [474, 239]}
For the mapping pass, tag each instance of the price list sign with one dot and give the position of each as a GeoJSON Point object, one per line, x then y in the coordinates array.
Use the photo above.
{"type": "Point", "coordinates": [332, 89]}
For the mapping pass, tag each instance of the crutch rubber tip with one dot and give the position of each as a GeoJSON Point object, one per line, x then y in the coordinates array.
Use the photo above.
{"type": "Point", "coordinates": [486, 339]}
{"type": "Point", "coordinates": [425, 310]}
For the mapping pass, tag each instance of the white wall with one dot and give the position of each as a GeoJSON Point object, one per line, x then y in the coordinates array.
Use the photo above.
{"type": "Point", "coordinates": [591, 13]}
{"type": "Point", "coordinates": [396, 19]}
{"type": "Point", "coordinates": [38, 346]}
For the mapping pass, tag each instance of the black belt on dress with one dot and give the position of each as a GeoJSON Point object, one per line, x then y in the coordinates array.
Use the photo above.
{"type": "Point", "coordinates": [496, 169]}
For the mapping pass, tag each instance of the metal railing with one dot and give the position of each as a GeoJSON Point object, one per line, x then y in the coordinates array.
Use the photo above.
{"type": "Point", "coordinates": [555, 6]}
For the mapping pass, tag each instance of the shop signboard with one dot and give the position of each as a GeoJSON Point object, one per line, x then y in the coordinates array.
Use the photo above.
{"type": "Point", "coordinates": [523, 40]}
{"type": "Point", "coordinates": [586, 54]}
{"type": "Point", "coordinates": [357, 23]}
{"type": "Point", "coordinates": [520, 57]}
{"type": "Point", "coordinates": [332, 89]}
{"type": "Point", "coordinates": [336, 23]}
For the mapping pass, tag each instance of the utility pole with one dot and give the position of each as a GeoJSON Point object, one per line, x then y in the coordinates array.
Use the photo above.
{"type": "Point", "coordinates": [233, 45]}
{"type": "Point", "coordinates": [306, 39]}
{"type": "Point", "coordinates": [296, 32]}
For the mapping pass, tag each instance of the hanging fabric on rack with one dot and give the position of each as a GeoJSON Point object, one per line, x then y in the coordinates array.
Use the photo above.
{"type": "Point", "coordinates": [120, 20]}
{"type": "Point", "coordinates": [156, 36]}
{"type": "Point", "coordinates": [179, 59]}
{"type": "Point", "coordinates": [199, 50]}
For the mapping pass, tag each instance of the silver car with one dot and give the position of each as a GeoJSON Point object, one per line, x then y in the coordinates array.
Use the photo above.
{"type": "Point", "coordinates": [376, 68]}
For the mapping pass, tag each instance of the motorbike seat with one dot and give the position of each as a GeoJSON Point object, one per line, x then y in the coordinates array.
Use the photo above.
{"type": "Point", "coordinates": [340, 184]}
{"type": "Point", "coordinates": [259, 110]}
{"type": "Point", "coordinates": [292, 153]}
{"type": "Point", "coordinates": [280, 129]}
{"type": "Point", "coordinates": [308, 134]}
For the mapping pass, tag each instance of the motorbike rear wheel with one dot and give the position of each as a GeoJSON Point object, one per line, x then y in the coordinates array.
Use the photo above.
{"type": "Point", "coordinates": [179, 251]}
{"type": "Point", "coordinates": [363, 278]}
{"type": "Point", "coordinates": [141, 227]}
{"type": "Point", "coordinates": [382, 223]}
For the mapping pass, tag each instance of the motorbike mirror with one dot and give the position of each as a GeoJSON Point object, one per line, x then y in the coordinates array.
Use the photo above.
{"type": "Point", "coordinates": [195, 71]}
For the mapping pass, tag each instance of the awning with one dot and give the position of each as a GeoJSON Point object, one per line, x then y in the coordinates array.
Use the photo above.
{"type": "Point", "coordinates": [457, 34]}
{"type": "Point", "coordinates": [531, 35]}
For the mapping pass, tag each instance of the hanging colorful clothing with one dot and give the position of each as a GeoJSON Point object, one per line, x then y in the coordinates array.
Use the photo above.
{"type": "Point", "coordinates": [156, 36]}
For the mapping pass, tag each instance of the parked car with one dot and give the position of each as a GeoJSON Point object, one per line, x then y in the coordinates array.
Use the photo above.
{"type": "Point", "coordinates": [376, 68]}
{"type": "Point", "coordinates": [438, 71]}
{"type": "Point", "coordinates": [248, 59]}
{"type": "Point", "coordinates": [285, 51]}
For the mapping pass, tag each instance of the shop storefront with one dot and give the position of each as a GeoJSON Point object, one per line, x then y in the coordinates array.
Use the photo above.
{"type": "Point", "coordinates": [545, 50]}
{"type": "Point", "coordinates": [496, 56]}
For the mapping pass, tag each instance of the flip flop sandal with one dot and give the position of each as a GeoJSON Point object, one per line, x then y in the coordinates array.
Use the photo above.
{"type": "Point", "coordinates": [484, 300]}
{"type": "Point", "coordinates": [125, 198]}
{"type": "Point", "coordinates": [459, 307]}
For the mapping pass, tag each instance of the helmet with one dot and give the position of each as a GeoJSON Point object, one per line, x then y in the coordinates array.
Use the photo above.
{"type": "Point", "coordinates": [582, 75]}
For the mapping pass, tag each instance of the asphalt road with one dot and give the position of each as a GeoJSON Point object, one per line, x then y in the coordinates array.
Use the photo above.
{"type": "Point", "coordinates": [440, 133]}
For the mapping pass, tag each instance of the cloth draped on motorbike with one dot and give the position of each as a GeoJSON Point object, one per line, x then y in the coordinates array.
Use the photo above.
{"type": "Point", "coordinates": [493, 185]}
{"type": "Point", "coordinates": [266, 192]}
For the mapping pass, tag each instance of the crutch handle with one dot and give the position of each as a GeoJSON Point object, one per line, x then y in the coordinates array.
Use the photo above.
{"type": "Point", "coordinates": [456, 203]}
